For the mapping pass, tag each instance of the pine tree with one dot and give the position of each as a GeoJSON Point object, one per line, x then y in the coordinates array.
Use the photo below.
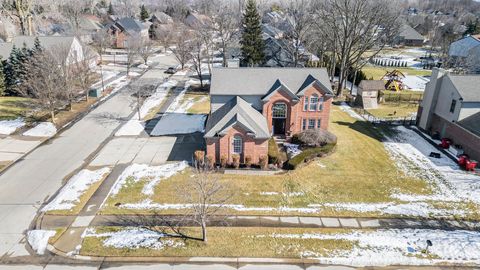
{"type": "Point", "coordinates": [10, 70]}
{"type": "Point", "coordinates": [252, 43]}
{"type": "Point", "coordinates": [144, 13]}
{"type": "Point", "coordinates": [37, 47]}
{"type": "Point", "coordinates": [110, 10]}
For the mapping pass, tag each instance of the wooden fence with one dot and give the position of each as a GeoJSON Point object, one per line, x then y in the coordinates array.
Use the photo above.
{"type": "Point", "coordinates": [390, 120]}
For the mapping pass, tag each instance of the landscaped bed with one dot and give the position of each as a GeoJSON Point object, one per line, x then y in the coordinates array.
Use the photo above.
{"type": "Point", "coordinates": [361, 178]}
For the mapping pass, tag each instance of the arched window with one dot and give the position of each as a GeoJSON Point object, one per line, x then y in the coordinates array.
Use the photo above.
{"type": "Point", "coordinates": [237, 145]}
{"type": "Point", "coordinates": [279, 110]}
{"type": "Point", "coordinates": [313, 103]}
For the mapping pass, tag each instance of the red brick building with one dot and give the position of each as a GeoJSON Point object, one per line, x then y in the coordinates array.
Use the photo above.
{"type": "Point", "coordinates": [250, 105]}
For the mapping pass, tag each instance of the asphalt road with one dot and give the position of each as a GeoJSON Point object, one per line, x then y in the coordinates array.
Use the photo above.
{"type": "Point", "coordinates": [28, 184]}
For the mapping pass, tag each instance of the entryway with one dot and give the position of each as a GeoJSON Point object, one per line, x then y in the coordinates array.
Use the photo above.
{"type": "Point", "coordinates": [279, 118]}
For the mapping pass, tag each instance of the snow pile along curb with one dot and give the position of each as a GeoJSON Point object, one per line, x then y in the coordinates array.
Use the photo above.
{"type": "Point", "coordinates": [43, 129]}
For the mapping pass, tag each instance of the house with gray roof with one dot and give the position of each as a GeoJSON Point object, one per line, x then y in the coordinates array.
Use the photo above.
{"type": "Point", "coordinates": [464, 54]}
{"type": "Point", "coordinates": [451, 108]}
{"type": "Point", "coordinates": [250, 105]}
{"type": "Point", "coordinates": [122, 29]}
{"type": "Point", "coordinates": [409, 37]}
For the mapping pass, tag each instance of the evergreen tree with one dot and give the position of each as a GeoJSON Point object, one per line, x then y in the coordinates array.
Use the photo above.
{"type": "Point", "coordinates": [37, 47]}
{"type": "Point", "coordinates": [2, 78]}
{"type": "Point", "coordinates": [110, 10]}
{"type": "Point", "coordinates": [10, 70]}
{"type": "Point", "coordinates": [252, 43]}
{"type": "Point", "coordinates": [144, 13]}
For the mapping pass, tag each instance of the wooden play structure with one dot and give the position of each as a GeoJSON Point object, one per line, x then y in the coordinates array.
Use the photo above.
{"type": "Point", "coordinates": [393, 80]}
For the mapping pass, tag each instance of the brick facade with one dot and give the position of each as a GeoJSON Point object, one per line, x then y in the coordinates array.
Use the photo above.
{"type": "Point", "coordinates": [459, 135]}
{"type": "Point", "coordinates": [296, 114]}
{"type": "Point", "coordinates": [223, 146]}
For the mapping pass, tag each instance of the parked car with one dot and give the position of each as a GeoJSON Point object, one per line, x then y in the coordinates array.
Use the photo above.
{"type": "Point", "coordinates": [171, 70]}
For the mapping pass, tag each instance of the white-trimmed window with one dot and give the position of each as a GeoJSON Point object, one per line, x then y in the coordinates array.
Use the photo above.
{"type": "Point", "coordinates": [319, 123]}
{"type": "Point", "coordinates": [313, 103]}
{"type": "Point", "coordinates": [305, 103]}
{"type": "Point", "coordinates": [311, 123]}
{"type": "Point", "coordinates": [304, 124]}
{"type": "Point", "coordinates": [237, 145]}
{"type": "Point", "coordinates": [320, 104]}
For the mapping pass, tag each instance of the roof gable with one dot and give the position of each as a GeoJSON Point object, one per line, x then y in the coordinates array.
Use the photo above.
{"type": "Point", "coordinates": [278, 86]}
{"type": "Point", "coordinates": [312, 81]}
{"type": "Point", "coordinates": [466, 86]}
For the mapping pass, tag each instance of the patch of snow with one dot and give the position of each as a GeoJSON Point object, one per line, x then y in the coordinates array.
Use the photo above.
{"type": "Point", "coordinates": [289, 194]}
{"type": "Point", "coordinates": [142, 66]}
{"type": "Point", "coordinates": [135, 238]}
{"type": "Point", "coordinates": [180, 105]}
{"type": "Point", "coordinates": [133, 74]}
{"type": "Point", "coordinates": [8, 127]}
{"type": "Point", "coordinates": [38, 240]}
{"type": "Point", "coordinates": [346, 108]}
{"type": "Point", "coordinates": [70, 194]}
{"type": "Point", "coordinates": [153, 175]}
{"type": "Point", "coordinates": [450, 184]}
{"type": "Point", "coordinates": [398, 247]}
{"type": "Point", "coordinates": [132, 128]}
{"type": "Point", "coordinates": [292, 149]}
{"type": "Point", "coordinates": [415, 83]}
{"type": "Point", "coordinates": [43, 129]}
{"type": "Point", "coordinates": [176, 123]}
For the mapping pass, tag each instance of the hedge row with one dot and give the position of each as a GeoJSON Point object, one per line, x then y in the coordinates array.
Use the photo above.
{"type": "Point", "coordinates": [309, 154]}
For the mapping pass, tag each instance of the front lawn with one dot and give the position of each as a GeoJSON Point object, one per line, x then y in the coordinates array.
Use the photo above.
{"type": "Point", "coordinates": [359, 171]}
{"type": "Point", "coordinates": [199, 103]}
{"type": "Point", "coordinates": [399, 110]}
{"type": "Point", "coordinates": [15, 107]}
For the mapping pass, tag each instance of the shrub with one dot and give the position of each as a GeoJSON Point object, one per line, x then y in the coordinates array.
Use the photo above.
{"type": "Point", "coordinates": [236, 161]}
{"type": "Point", "coordinates": [223, 161]}
{"type": "Point", "coordinates": [248, 161]}
{"type": "Point", "coordinates": [274, 154]}
{"type": "Point", "coordinates": [314, 138]}
{"type": "Point", "coordinates": [199, 157]}
{"type": "Point", "coordinates": [210, 163]}
{"type": "Point", "coordinates": [263, 162]}
{"type": "Point", "coordinates": [309, 154]}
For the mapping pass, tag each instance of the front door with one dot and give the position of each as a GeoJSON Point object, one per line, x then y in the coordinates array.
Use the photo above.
{"type": "Point", "coordinates": [279, 118]}
{"type": "Point", "coordinates": [279, 126]}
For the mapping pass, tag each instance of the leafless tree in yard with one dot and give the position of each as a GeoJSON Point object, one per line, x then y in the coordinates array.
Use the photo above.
{"type": "Point", "coordinates": [226, 25]}
{"type": "Point", "coordinates": [206, 195]}
{"type": "Point", "coordinates": [302, 22]}
{"type": "Point", "coordinates": [198, 54]}
{"type": "Point", "coordinates": [23, 9]}
{"type": "Point", "coordinates": [84, 72]}
{"type": "Point", "coordinates": [165, 35]}
{"type": "Point", "coordinates": [44, 82]}
{"type": "Point", "coordinates": [182, 50]}
{"type": "Point", "coordinates": [355, 27]}
{"type": "Point", "coordinates": [73, 11]}
{"type": "Point", "coordinates": [102, 40]}
{"type": "Point", "coordinates": [65, 59]}
{"type": "Point", "coordinates": [146, 49]}
{"type": "Point", "coordinates": [133, 45]}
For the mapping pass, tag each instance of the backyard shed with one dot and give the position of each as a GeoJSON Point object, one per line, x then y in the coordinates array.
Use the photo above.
{"type": "Point", "coordinates": [367, 93]}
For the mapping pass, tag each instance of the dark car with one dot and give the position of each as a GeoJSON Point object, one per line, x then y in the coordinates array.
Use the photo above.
{"type": "Point", "coordinates": [171, 70]}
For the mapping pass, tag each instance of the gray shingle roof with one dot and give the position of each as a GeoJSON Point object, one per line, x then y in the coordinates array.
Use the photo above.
{"type": "Point", "coordinates": [472, 123]}
{"type": "Point", "coordinates": [46, 42]}
{"type": "Point", "coordinates": [463, 46]}
{"type": "Point", "coordinates": [259, 81]}
{"type": "Point", "coordinates": [237, 112]}
{"type": "Point", "coordinates": [408, 33]}
{"type": "Point", "coordinates": [130, 24]}
{"type": "Point", "coordinates": [372, 85]}
{"type": "Point", "coordinates": [467, 86]}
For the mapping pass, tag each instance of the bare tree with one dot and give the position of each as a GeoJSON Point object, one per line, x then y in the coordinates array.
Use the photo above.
{"type": "Point", "coordinates": [198, 54]}
{"type": "Point", "coordinates": [83, 70]}
{"type": "Point", "coordinates": [73, 11]}
{"type": "Point", "coordinates": [64, 57]}
{"type": "Point", "coordinates": [225, 25]}
{"type": "Point", "coordinates": [44, 82]}
{"type": "Point", "coordinates": [165, 35]}
{"type": "Point", "coordinates": [182, 50]}
{"type": "Point", "coordinates": [353, 27]}
{"type": "Point", "coordinates": [206, 196]}
{"type": "Point", "coordinates": [146, 49]}
{"type": "Point", "coordinates": [101, 41]}
{"type": "Point", "coordinates": [23, 10]}
{"type": "Point", "coordinates": [133, 45]}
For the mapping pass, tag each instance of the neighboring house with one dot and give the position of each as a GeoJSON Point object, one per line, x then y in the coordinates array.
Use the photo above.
{"type": "Point", "coordinates": [367, 93]}
{"type": "Point", "coordinates": [272, 31]}
{"type": "Point", "coordinates": [451, 108]}
{"type": "Point", "coordinates": [161, 18]}
{"type": "Point", "coordinates": [409, 37]}
{"type": "Point", "coordinates": [465, 54]}
{"type": "Point", "coordinates": [196, 20]}
{"type": "Point", "coordinates": [88, 26]}
{"type": "Point", "coordinates": [122, 29]}
{"type": "Point", "coordinates": [49, 43]}
{"type": "Point", "coordinates": [250, 105]}
{"type": "Point", "coordinates": [160, 22]}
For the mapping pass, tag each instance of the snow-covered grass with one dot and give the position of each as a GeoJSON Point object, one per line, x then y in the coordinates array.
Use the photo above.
{"type": "Point", "coordinates": [151, 174]}
{"type": "Point", "coordinates": [292, 149]}
{"type": "Point", "coordinates": [156, 98]}
{"type": "Point", "coordinates": [415, 83]}
{"type": "Point", "coordinates": [346, 108]}
{"type": "Point", "coordinates": [8, 127]}
{"type": "Point", "coordinates": [134, 238]}
{"type": "Point", "coordinates": [449, 183]}
{"type": "Point", "coordinates": [38, 240]}
{"type": "Point", "coordinates": [43, 129]}
{"type": "Point", "coordinates": [70, 195]}
{"type": "Point", "coordinates": [396, 247]}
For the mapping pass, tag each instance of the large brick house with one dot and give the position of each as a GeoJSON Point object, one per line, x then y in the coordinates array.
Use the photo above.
{"type": "Point", "coordinates": [250, 105]}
